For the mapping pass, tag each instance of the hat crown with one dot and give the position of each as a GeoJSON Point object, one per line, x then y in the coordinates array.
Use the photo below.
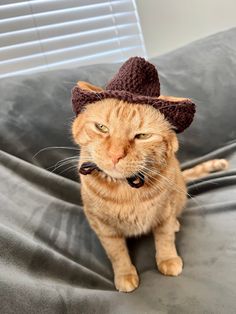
{"type": "Point", "coordinates": [136, 76]}
{"type": "Point", "coordinates": [137, 83]}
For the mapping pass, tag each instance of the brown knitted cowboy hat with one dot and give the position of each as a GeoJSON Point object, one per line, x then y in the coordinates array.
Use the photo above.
{"type": "Point", "coordinates": [137, 82]}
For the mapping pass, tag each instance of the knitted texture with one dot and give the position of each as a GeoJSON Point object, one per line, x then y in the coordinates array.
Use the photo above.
{"type": "Point", "coordinates": [136, 76]}
{"type": "Point", "coordinates": [137, 82]}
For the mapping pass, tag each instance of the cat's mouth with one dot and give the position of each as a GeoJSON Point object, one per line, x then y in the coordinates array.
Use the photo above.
{"type": "Point", "coordinates": [135, 181]}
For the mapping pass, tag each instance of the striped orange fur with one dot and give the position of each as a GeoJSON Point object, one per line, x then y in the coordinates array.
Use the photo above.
{"type": "Point", "coordinates": [123, 139]}
{"type": "Point", "coordinates": [204, 169]}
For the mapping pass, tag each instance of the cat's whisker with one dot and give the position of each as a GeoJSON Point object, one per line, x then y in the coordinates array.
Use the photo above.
{"type": "Point", "coordinates": [148, 175]}
{"type": "Point", "coordinates": [54, 147]}
{"type": "Point", "coordinates": [62, 165]}
{"type": "Point", "coordinates": [62, 162]}
{"type": "Point", "coordinates": [170, 183]}
{"type": "Point", "coordinates": [50, 173]}
{"type": "Point", "coordinates": [66, 161]}
{"type": "Point", "coordinates": [151, 182]}
{"type": "Point", "coordinates": [174, 186]}
{"type": "Point", "coordinates": [69, 168]}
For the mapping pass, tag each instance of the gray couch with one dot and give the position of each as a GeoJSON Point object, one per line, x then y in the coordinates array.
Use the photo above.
{"type": "Point", "coordinates": [50, 259]}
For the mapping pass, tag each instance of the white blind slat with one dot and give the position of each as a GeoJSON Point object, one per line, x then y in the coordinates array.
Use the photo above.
{"type": "Point", "coordinates": [60, 29]}
{"type": "Point", "coordinates": [110, 56]}
{"type": "Point", "coordinates": [38, 35]}
{"type": "Point", "coordinates": [66, 15]}
{"type": "Point", "coordinates": [20, 9]}
{"type": "Point", "coordinates": [53, 43]}
{"type": "Point", "coordinates": [7, 2]}
{"type": "Point", "coordinates": [66, 54]}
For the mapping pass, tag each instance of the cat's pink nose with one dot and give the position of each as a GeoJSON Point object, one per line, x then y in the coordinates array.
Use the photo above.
{"type": "Point", "coordinates": [115, 157]}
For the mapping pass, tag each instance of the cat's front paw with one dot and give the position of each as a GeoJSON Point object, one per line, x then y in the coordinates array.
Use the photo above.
{"type": "Point", "coordinates": [127, 282]}
{"type": "Point", "coordinates": [171, 267]}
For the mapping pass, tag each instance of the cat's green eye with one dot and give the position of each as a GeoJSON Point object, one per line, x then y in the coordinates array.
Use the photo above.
{"type": "Point", "coordinates": [143, 136]}
{"type": "Point", "coordinates": [102, 127]}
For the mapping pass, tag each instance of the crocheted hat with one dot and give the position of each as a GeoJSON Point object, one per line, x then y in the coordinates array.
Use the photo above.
{"type": "Point", "coordinates": [137, 82]}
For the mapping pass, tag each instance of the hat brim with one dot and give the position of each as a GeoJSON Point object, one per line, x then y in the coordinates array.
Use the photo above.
{"type": "Point", "coordinates": [178, 111]}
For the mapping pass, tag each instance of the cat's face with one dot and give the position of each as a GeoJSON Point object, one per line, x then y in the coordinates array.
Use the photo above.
{"type": "Point", "coordinates": [123, 139]}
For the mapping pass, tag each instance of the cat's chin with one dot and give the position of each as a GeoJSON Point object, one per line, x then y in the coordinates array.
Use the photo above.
{"type": "Point", "coordinates": [114, 174]}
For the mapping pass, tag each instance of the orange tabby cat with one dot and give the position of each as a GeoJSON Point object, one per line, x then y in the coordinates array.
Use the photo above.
{"type": "Point", "coordinates": [123, 139]}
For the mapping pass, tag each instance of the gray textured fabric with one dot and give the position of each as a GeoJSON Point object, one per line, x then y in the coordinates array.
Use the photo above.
{"type": "Point", "coordinates": [51, 261]}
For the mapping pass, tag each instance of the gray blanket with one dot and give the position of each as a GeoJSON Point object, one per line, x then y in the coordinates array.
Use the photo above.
{"type": "Point", "coordinates": [50, 259]}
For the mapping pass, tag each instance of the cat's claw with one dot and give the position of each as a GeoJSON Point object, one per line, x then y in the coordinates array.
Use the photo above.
{"type": "Point", "coordinates": [171, 267]}
{"type": "Point", "coordinates": [127, 282]}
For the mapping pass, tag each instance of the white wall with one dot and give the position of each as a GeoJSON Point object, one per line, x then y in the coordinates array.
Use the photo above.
{"type": "Point", "coordinates": [169, 24]}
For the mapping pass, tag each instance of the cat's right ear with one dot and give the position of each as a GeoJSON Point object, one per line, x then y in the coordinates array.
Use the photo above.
{"type": "Point", "coordinates": [78, 127]}
{"type": "Point", "coordinates": [89, 87]}
{"type": "Point", "coordinates": [79, 133]}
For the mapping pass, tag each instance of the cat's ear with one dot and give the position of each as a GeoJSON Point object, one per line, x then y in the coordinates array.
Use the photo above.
{"type": "Point", "coordinates": [79, 133]}
{"type": "Point", "coordinates": [172, 144]}
{"type": "Point", "coordinates": [89, 87]}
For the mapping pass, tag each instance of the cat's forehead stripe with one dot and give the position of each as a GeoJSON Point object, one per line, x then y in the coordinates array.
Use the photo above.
{"type": "Point", "coordinates": [126, 113]}
{"type": "Point", "coordinates": [118, 108]}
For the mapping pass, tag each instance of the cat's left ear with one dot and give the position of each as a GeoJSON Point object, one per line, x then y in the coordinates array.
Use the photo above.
{"type": "Point", "coordinates": [89, 87]}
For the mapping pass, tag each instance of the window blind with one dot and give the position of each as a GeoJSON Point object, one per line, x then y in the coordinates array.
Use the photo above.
{"type": "Point", "coordinates": [39, 35]}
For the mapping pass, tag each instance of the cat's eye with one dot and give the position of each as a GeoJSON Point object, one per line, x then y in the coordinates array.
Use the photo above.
{"type": "Point", "coordinates": [102, 127]}
{"type": "Point", "coordinates": [143, 136]}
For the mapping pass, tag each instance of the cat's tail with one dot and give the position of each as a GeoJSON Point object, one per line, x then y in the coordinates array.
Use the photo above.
{"type": "Point", "coordinates": [204, 169]}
